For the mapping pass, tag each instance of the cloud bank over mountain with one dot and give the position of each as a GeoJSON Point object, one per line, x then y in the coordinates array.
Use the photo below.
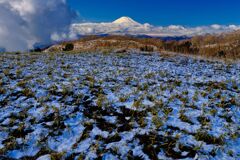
{"type": "Point", "coordinates": [23, 23]}
{"type": "Point", "coordinates": [126, 25]}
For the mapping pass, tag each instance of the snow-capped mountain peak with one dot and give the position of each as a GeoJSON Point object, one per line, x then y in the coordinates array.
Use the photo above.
{"type": "Point", "coordinates": [126, 21]}
{"type": "Point", "coordinates": [126, 25]}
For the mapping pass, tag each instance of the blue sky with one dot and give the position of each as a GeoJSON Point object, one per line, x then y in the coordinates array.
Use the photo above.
{"type": "Point", "coordinates": [161, 12]}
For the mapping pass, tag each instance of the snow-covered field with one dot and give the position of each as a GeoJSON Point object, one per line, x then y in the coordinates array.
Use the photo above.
{"type": "Point", "coordinates": [118, 106]}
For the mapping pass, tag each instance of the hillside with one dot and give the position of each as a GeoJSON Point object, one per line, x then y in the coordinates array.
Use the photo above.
{"type": "Point", "coordinates": [108, 44]}
{"type": "Point", "coordinates": [224, 46]}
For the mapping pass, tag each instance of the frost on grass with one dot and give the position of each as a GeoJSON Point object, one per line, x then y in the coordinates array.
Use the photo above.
{"type": "Point", "coordinates": [118, 106]}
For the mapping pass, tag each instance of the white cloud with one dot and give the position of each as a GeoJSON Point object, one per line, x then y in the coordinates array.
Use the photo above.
{"type": "Point", "coordinates": [26, 22]}
{"type": "Point", "coordinates": [216, 26]}
{"type": "Point", "coordinates": [22, 7]}
{"type": "Point", "coordinates": [234, 27]}
{"type": "Point", "coordinates": [145, 29]}
{"type": "Point", "coordinates": [176, 27]}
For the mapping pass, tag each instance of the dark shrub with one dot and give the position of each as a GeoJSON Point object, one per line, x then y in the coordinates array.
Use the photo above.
{"type": "Point", "coordinates": [221, 54]}
{"type": "Point", "coordinates": [36, 50]}
{"type": "Point", "coordinates": [147, 49]}
{"type": "Point", "coordinates": [68, 47]}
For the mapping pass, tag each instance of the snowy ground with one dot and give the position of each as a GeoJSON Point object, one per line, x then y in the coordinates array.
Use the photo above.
{"type": "Point", "coordinates": [114, 106]}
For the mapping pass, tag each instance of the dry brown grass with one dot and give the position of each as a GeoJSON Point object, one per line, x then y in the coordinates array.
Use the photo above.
{"type": "Point", "coordinates": [224, 46]}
